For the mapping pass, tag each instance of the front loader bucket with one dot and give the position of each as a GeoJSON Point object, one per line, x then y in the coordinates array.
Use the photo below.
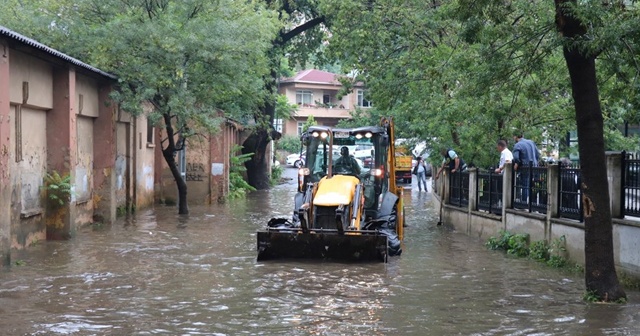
{"type": "Point", "coordinates": [322, 244]}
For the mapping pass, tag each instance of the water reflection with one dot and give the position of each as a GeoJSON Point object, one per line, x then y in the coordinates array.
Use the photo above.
{"type": "Point", "coordinates": [158, 273]}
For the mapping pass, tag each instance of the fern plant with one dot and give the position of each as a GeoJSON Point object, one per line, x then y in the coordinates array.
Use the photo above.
{"type": "Point", "coordinates": [58, 188]}
{"type": "Point", "coordinates": [238, 187]}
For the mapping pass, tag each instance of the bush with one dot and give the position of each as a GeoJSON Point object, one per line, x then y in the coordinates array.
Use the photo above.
{"type": "Point", "coordinates": [517, 244]}
{"type": "Point", "coordinates": [276, 174]}
{"type": "Point", "coordinates": [238, 187]}
{"type": "Point", "coordinates": [289, 143]}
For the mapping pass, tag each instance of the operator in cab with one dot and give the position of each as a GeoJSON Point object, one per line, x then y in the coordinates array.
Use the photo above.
{"type": "Point", "coordinates": [346, 164]}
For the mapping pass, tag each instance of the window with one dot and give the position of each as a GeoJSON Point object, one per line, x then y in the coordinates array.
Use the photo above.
{"type": "Point", "coordinates": [277, 124]}
{"type": "Point", "coordinates": [304, 97]}
{"type": "Point", "coordinates": [300, 127]}
{"type": "Point", "coordinates": [362, 102]}
{"type": "Point", "coordinates": [150, 130]}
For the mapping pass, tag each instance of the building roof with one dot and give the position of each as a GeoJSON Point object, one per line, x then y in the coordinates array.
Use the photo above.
{"type": "Point", "coordinates": [313, 76]}
{"type": "Point", "coordinates": [55, 53]}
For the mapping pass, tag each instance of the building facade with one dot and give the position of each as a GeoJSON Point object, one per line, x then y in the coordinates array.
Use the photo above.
{"type": "Point", "coordinates": [317, 94]}
{"type": "Point", "coordinates": [56, 119]}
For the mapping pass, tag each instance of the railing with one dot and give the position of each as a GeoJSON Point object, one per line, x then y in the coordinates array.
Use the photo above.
{"type": "Point", "coordinates": [530, 189]}
{"type": "Point", "coordinates": [630, 191]}
{"type": "Point", "coordinates": [489, 192]}
{"type": "Point", "coordinates": [459, 189]}
{"type": "Point", "coordinates": [569, 195]}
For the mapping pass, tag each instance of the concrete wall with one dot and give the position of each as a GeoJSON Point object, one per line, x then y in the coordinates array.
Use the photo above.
{"type": "Point", "coordinates": [207, 166]}
{"type": "Point", "coordinates": [144, 163]}
{"type": "Point", "coordinates": [27, 175]}
{"type": "Point", "coordinates": [5, 149]}
{"type": "Point", "coordinates": [549, 227]}
{"type": "Point", "coordinates": [57, 117]}
{"type": "Point", "coordinates": [38, 75]}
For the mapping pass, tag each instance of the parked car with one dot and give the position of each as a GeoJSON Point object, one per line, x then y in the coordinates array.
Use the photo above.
{"type": "Point", "coordinates": [296, 160]}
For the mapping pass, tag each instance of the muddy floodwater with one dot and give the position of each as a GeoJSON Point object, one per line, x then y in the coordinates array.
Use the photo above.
{"type": "Point", "coordinates": [158, 274]}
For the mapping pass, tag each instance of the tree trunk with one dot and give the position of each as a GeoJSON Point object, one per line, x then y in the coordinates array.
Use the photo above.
{"type": "Point", "coordinates": [183, 208]}
{"type": "Point", "coordinates": [257, 174]}
{"type": "Point", "coordinates": [169, 157]}
{"type": "Point", "coordinates": [257, 142]}
{"type": "Point", "coordinates": [600, 272]}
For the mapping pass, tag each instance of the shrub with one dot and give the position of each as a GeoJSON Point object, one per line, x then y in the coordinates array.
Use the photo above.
{"type": "Point", "coordinates": [289, 143]}
{"type": "Point", "coordinates": [238, 187]}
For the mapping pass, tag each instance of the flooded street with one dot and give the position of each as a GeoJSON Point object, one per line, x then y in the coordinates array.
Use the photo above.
{"type": "Point", "coordinates": [159, 274]}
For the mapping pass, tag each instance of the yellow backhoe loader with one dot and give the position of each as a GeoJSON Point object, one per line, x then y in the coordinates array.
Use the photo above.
{"type": "Point", "coordinates": [348, 206]}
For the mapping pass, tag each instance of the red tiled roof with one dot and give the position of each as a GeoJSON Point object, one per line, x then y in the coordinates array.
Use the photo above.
{"type": "Point", "coordinates": [313, 76]}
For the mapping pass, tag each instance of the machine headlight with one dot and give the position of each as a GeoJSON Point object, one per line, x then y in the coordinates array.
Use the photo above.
{"type": "Point", "coordinates": [376, 172]}
{"type": "Point", "coordinates": [368, 135]}
{"type": "Point", "coordinates": [358, 136]}
{"type": "Point", "coordinates": [323, 135]}
{"type": "Point", "coordinates": [303, 171]}
{"type": "Point", "coordinates": [315, 134]}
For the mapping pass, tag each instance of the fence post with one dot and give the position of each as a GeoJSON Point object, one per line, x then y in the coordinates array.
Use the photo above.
{"type": "Point", "coordinates": [507, 187]}
{"type": "Point", "coordinates": [473, 195]}
{"type": "Point", "coordinates": [616, 187]}
{"type": "Point", "coordinates": [446, 180]}
{"type": "Point", "coordinates": [530, 186]}
{"type": "Point", "coordinates": [553, 197]}
{"type": "Point", "coordinates": [473, 189]}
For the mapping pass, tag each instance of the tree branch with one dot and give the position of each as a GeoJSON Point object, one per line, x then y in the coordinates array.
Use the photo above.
{"type": "Point", "coordinates": [286, 37]}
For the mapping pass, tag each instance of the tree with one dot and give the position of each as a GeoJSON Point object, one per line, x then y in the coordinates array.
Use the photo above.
{"type": "Point", "coordinates": [300, 36]}
{"type": "Point", "coordinates": [189, 59]}
{"type": "Point", "coordinates": [467, 72]}
{"type": "Point", "coordinates": [600, 272]}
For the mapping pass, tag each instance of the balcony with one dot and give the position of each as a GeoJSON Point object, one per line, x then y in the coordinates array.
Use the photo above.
{"type": "Point", "coordinates": [323, 112]}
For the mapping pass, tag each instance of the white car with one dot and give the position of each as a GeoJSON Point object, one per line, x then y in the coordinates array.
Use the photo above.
{"type": "Point", "coordinates": [296, 160]}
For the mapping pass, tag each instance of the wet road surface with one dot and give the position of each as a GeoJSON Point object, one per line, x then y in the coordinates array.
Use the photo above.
{"type": "Point", "coordinates": [159, 274]}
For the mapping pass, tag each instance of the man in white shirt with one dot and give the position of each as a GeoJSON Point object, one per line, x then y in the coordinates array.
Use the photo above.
{"type": "Point", "coordinates": [505, 155]}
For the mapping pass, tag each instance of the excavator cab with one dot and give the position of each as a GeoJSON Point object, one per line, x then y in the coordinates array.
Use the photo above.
{"type": "Point", "coordinates": [347, 207]}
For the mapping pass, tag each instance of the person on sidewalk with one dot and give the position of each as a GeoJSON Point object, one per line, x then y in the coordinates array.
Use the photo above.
{"type": "Point", "coordinates": [525, 154]}
{"type": "Point", "coordinates": [420, 170]}
{"type": "Point", "coordinates": [451, 160]}
{"type": "Point", "coordinates": [505, 155]}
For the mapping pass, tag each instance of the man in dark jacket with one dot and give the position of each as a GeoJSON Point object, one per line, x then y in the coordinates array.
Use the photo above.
{"type": "Point", "coordinates": [525, 155]}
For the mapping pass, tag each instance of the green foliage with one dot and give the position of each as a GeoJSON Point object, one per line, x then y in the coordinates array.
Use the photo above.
{"type": "Point", "coordinates": [464, 73]}
{"type": "Point", "coordinates": [276, 174]}
{"type": "Point", "coordinates": [238, 186]}
{"type": "Point", "coordinates": [539, 251]}
{"type": "Point", "coordinates": [591, 296]}
{"type": "Point", "coordinates": [58, 188]}
{"type": "Point", "coordinates": [284, 110]}
{"type": "Point", "coordinates": [189, 59]}
{"type": "Point", "coordinates": [517, 244]}
{"type": "Point", "coordinates": [311, 121]}
{"type": "Point", "coordinates": [20, 263]}
{"type": "Point", "coordinates": [289, 143]}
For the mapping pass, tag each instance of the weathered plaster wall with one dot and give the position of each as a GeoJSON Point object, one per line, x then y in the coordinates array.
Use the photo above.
{"type": "Point", "coordinates": [31, 92]}
{"type": "Point", "coordinates": [197, 172]}
{"type": "Point", "coordinates": [122, 164]}
{"type": "Point", "coordinates": [39, 76]}
{"type": "Point", "coordinates": [5, 148]}
{"type": "Point", "coordinates": [62, 140]}
{"type": "Point", "coordinates": [27, 175]}
{"type": "Point", "coordinates": [87, 96]}
{"type": "Point", "coordinates": [144, 166]}
{"type": "Point", "coordinates": [104, 158]}
{"type": "Point", "coordinates": [83, 174]}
